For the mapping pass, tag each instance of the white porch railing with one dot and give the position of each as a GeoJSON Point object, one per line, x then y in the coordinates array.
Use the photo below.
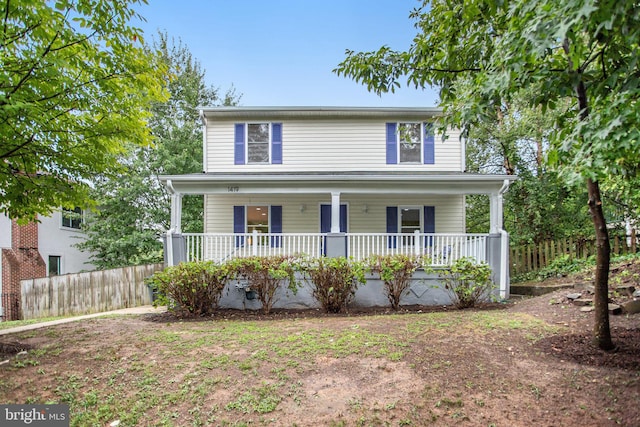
{"type": "Point", "coordinates": [223, 246]}
{"type": "Point", "coordinates": [439, 249]}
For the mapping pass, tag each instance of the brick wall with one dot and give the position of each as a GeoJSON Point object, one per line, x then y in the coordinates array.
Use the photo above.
{"type": "Point", "coordinates": [22, 261]}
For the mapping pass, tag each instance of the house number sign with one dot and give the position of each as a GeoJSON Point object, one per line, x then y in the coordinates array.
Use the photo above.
{"type": "Point", "coordinates": [233, 189]}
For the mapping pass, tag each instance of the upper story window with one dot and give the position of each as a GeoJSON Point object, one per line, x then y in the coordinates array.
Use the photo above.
{"type": "Point", "coordinates": [72, 218]}
{"type": "Point", "coordinates": [258, 140]}
{"type": "Point", "coordinates": [258, 143]}
{"type": "Point", "coordinates": [410, 143]}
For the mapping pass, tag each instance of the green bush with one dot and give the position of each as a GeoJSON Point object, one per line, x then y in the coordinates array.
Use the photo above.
{"type": "Point", "coordinates": [193, 287]}
{"type": "Point", "coordinates": [266, 275]}
{"type": "Point", "coordinates": [559, 267]}
{"type": "Point", "coordinates": [335, 281]}
{"type": "Point", "coordinates": [467, 282]}
{"type": "Point", "coordinates": [396, 272]}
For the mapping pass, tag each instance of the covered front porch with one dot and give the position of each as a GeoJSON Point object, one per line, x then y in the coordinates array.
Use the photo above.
{"type": "Point", "coordinates": [340, 214]}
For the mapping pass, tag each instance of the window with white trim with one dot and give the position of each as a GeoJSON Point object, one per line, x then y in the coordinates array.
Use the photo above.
{"type": "Point", "coordinates": [258, 219]}
{"type": "Point", "coordinates": [410, 220]}
{"type": "Point", "coordinates": [72, 218]}
{"type": "Point", "coordinates": [410, 142]}
{"type": "Point", "coordinates": [258, 140]}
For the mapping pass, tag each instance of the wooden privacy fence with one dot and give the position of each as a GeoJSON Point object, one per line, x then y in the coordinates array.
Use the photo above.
{"type": "Point", "coordinates": [524, 259]}
{"type": "Point", "coordinates": [89, 292]}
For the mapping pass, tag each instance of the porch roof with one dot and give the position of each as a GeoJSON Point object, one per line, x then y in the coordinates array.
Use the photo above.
{"type": "Point", "coordinates": [362, 182]}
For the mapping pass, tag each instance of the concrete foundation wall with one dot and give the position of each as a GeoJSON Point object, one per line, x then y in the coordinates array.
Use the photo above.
{"type": "Point", "coordinates": [425, 289]}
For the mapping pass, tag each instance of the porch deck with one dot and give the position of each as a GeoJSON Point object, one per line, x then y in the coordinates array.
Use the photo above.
{"type": "Point", "coordinates": [439, 249]}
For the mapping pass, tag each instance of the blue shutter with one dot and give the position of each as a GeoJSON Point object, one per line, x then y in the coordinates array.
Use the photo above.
{"type": "Point", "coordinates": [276, 226]}
{"type": "Point", "coordinates": [238, 224]}
{"type": "Point", "coordinates": [392, 144]}
{"type": "Point", "coordinates": [429, 144]}
{"type": "Point", "coordinates": [392, 225]}
{"type": "Point", "coordinates": [325, 218]}
{"type": "Point", "coordinates": [276, 143]}
{"type": "Point", "coordinates": [429, 223]}
{"type": "Point", "coordinates": [238, 145]}
{"type": "Point", "coordinates": [325, 225]}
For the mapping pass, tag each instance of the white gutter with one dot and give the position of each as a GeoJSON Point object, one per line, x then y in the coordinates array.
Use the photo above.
{"type": "Point", "coordinates": [203, 119]}
{"type": "Point", "coordinates": [504, 250]}
{"type": "Point", "coordinates": [505, 187]}
{"type": "Point", "coordinates": [170, 187]}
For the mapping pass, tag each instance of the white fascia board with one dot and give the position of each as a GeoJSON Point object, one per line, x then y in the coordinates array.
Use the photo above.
{"type": "Point", "coordinates": [323, 183]}
{"type": "Point", "coordinates": [416, 113]}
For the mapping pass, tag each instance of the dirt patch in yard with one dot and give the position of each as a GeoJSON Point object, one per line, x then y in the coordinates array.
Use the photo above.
{"type": "Point", "coordinates": [528, 362]}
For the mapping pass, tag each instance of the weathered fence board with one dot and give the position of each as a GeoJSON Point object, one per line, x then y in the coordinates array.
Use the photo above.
{"type": "Point", "coordinates": [524, 259]}
{"type": "Point", "coordinates": [88, 292]}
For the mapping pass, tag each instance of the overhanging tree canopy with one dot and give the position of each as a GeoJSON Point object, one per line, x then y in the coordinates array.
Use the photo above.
{"type": "Point", "coordinates": [75, 86]}
{"type": "Point", "coordinates": [585, 50]}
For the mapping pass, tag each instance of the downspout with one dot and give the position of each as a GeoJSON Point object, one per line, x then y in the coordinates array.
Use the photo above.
{"type": "Point", "coordinates": [203, 120]}
{"type": "Point", "coordinates": [170, 232]}
{"type": "Point", "coordinates": [504, 250]}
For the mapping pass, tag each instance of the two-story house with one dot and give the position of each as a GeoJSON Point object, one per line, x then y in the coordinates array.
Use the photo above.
{"type": "Point", "coordinates": [38, 249]}
{"type": "Point", "coordinates": [335, 181]}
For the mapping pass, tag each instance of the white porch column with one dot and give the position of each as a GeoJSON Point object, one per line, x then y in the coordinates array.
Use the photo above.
{"type": "Point", "coordinates": [495, 213]}
{"type": "Point", "coordinates": [335, 211]}
{"type": "Point", "coordinates": [176, 213]}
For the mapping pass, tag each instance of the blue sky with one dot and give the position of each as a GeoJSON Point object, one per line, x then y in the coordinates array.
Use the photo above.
{"type": "Point", "coordinates": [281, 52]}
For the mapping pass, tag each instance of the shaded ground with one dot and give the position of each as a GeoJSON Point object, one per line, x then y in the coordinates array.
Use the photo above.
{"type": "Point", "coordinates": [526, 363]}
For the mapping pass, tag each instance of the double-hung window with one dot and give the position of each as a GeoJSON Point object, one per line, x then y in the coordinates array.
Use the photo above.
{"type": "Point", "coordinates": [410, 143]}
{"type": "Point", "coordinates": [258, 143]}
{"type": "Point", "coordinates": [407, 220]}
{"type": "Point", "coordinates": [261, 218]}
{"type": "Point", "coordinates": [72, 218]}
{"type": "Point", "coordinates": [258, 219]}
{"type": "Point", "coordinates": [258, 139]}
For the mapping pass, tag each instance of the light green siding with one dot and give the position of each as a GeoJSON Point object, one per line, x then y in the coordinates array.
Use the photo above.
{"type": "Point", "coordinates": [301, 213]}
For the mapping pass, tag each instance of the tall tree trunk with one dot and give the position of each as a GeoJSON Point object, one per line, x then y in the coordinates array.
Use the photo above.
{"type": "Point", "coordinates": [539, 156]}
{"type": "Point", "coordinates": [506, 152]}
{"type": "Point", "coordinates": [601, 329]}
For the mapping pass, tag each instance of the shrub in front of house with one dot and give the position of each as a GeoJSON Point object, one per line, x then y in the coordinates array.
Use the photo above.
{"type": "Point", "coordinates": [396, 272]}
{"type": "Point", "coordinates": [334, 281]}
{"type": "Point", "coordinates": [193, 288]}
{"type": "Point", "coordinates": [468, 282]}
{"type": "Point", "coordinates": [266, 275]}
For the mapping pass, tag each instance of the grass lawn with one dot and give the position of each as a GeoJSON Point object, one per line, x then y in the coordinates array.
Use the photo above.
{"type": "Point", "coordinates": [473, 367]}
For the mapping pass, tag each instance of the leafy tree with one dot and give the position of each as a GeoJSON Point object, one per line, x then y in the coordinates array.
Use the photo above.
{"type": "Point", "coordinates": [134, 206]}
{"type": "Point", "coordinates": [539, 205]}
{"type": "Point", "coordinates": [75, 84]}
{"type": "Point", "coordinates": [585, 51]}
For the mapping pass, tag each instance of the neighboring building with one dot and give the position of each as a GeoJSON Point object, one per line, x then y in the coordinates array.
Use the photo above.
{"type": "Point", "coordinates": [335, 181]}
{"type": "Point", "coordinates": [38, 250]}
